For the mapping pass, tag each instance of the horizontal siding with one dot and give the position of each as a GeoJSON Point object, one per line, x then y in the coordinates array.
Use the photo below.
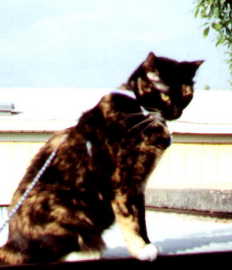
{"type": "Point", "coordinates": [36, 137]}
{"type": "Point", "coordinates": [14, 159]}
{"type": "Point", "coordinates": [191, 160]}
{"type": "Point", "coordinates": [190, 165]}
{"type": "Point", "coordinates": [4, 232]}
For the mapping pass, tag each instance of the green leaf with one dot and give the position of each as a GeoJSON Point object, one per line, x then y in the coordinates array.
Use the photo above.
{"type": "Point", "coordinates": [196, 12]}
{"type": "Point", "coordinates": [216, 12]}
{"type": "Point", "coordinates": [206, 31]}
{"type": "Point", "coordinates": [217, 26]}
{"type": "Point", "coordinates": [221, 40]}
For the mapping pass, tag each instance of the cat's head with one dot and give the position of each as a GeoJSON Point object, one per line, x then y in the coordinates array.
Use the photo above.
{"type": "Point", "coordinates": [164, 84]}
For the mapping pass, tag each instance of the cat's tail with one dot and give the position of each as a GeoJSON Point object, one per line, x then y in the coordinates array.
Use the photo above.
{"type": "Point", "coordinates": [9, 256]}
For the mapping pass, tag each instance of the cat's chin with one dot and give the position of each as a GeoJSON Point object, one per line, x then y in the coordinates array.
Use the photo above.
{"type": "Point", "coordinates": [173, 115]}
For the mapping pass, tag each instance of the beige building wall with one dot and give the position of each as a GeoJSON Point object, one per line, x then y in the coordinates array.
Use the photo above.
{"type": "Point", "coordinates": [194, 165]}
{"type": "Point", "coordinates": [14, 159]}
{"type": "Point", "coordinates": [187, 164]}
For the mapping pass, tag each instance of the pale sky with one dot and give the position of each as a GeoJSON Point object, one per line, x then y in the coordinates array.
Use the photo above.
{"type": "Point", "coordinates": [95, 44]}
{"type": "Point", "coordinates": [98, 43]}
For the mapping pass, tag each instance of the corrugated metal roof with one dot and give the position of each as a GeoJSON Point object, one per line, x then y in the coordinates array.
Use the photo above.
{"type": "Point", "coordinates": [21, 124]}
{"type": "Point", "coordinates": [210, 112]}
{"type": "Point", "coordinates": [8, 107]}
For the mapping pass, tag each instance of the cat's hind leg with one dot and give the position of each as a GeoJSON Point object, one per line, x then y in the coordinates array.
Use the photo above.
{"type": "Point", "coordinates": [82, 255]}
{"type": "Point", "coordinates": [91, 246]}
{"type": "Point", "coordinates": [8, 255]}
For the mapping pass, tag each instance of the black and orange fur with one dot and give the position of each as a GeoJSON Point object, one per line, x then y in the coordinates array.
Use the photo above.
{"type": "Point", "coordinates": [99, 172]}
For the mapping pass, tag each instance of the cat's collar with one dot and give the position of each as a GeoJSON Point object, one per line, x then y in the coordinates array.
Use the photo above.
{"type": "Point", "coordinates": [145, 112]}
{"type": "Point", "coordinates": [125, 92]}
{"type": "Point", "coordinates": [130, 94]}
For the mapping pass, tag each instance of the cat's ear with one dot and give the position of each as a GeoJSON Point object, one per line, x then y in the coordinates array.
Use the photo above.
{"type": "Point", "coordinates": [196, 64]}
{"type": "Point", "coordinates": [149, 60]}
{"type": "Point", "coordinates": [191, 67]}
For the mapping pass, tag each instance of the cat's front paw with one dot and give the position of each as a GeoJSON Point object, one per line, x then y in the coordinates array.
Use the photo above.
{"type": "Point", "coordinates": [148, 253]}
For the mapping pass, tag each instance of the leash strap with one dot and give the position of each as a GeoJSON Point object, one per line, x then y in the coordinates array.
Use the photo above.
{"type": "Point", "coordinates": [28, 190]}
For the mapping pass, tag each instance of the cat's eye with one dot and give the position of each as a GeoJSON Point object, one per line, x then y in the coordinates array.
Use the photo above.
{"type": "Point", "coordinates": [165, 97]}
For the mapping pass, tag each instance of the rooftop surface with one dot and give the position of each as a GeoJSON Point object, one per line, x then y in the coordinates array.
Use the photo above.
{"type": "Point", "coordinates": [174, 233]}
{"type": "Point", "coordinates": [209, 112]}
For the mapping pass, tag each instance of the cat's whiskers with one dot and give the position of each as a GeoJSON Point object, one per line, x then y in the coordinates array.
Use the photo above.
{"type": "Point", "coordinates": [153, 116]}
{"type": "Point", "coordinates": [151, 110]}
{"type": "Point", "coordinates": [143, 112]}
{"type": "Point", "coordinates": [148, 120]}
{"type": "Point", "coordinates": [130, 115]}
{"type": "Point", "coordinates": [151, 123]}
{"type": "Point", "coordinates": [157, 115]}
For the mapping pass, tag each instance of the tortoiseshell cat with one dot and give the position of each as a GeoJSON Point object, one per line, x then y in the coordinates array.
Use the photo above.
{"type": "Point", "coordinates": [99, 172]}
